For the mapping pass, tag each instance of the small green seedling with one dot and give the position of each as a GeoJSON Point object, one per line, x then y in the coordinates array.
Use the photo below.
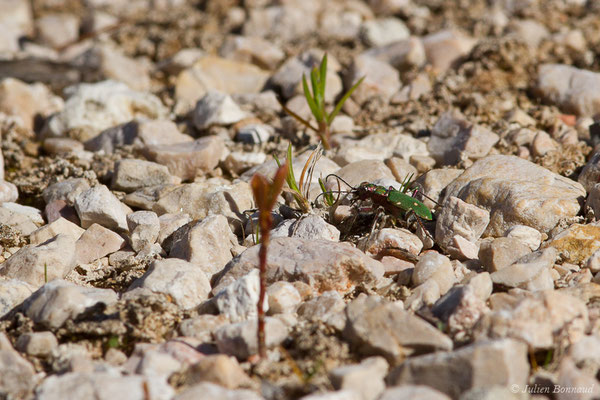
{"type": "Point", "coordinates": [265, 196]}
{"type": "Point", "coordinates": [316, 102]}
{"type": "Point", "coordinates": [327, 195]}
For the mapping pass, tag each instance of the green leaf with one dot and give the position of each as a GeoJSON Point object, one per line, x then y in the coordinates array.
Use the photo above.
{"type": "Point", "coordinates": [340, 103]}
{"type": "Point", "coordinates": [318, 94]}
{"type": "Point", "coordinates": [323, 74]}
{"type": "Point", "coordinates": [290, 178]}
{"type": "Point", "coordinates": [326, 194]}
{"type": "Point", "coordinates": [311, 102]}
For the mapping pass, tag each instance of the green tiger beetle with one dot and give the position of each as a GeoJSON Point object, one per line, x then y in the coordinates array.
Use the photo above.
{"type": "Point", "coordinates": [397, 203]}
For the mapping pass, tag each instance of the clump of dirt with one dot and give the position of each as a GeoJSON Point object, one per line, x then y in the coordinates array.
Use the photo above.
{"type": "Point", "coordinates": [306, 357]}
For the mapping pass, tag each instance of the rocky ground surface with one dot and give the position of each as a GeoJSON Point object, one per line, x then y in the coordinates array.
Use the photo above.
{"type": "Point", "coordinates": [130, 131]}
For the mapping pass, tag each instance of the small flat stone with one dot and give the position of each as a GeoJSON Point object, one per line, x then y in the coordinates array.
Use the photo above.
{"type": "Point", "coordinates": [20, 222]}
{"type": "Point", "coordinates": [239, 339]}
{"type": "Point", "coordinates": [12, 293]}
{"type": "Point", "coordinates": [31, 213]}
{"type": "Point", "coordinates": [66, 190]}
{"type": "Point", "coordinates": [58, 301]}
{"type": "Point", "coordinates": [37, 344]}
{"type": "Point", "coordinates": [207, 243]}
{"type": "Point", "coordinates": [219, 369]}
{"type": "Point", "coordinates": [184, 282]}
{"type": "Point", "coordinates": [8, 192]}
{"type": "Point", "coordinates": [574, 90]}
{"type": "Point", "coordinates": [61, 209]}
{"type": "Point", "coordinates": [199, 200]}
{"type": "Point", "coordinates": [112, 63]}
{"type": "Point", "coordinates": [444, 47]}
{"type": "Point", "coordinates": [501, 252]}
{"type": "Point", "coordinates": [26, 100]}
{"type": "Point", "coordinates": [54, 228]}
{"type": "Point", "coordinates": [131, 175]}
{"type": "Point", "coordinates": [98, 205]}
{"type": "Point", "coordinates": [144, 227]}
{"type": "Point", "coordinates": [55, 146]}
{"type": "Point", "coordinates": [17, 375]}
{"type": "Point", "coordinates": [283, 298]}
{"type": "Point", "coordinates": [57, 29]}
{"type": "Point", "coordinates": [365, 378]}
{"type": "Point", "coordinates": [325, 307]}
{"type": "Point", "coordinates": [383, 31]}
{"type": "Point", "coordinates": [389, 238]}
{"type": "Point", "coordinates": [36, 264]}
{"type": "Point", "coordinates": [216, 109]}
{"type": "Point", "coordinates": [202, 326]}
{"type": "Point", "coordinates": [92, 107]}
{"type": "Point", "coordinates": [436, 267]}
{"type": "Point", "coordinates": [258, 51]}
{"type": "Point", "coordinates": [460, 309]}
{"type": "Point", "coordinates": [186, 160]}
{"type": "Point", "coordinates": [286, 22]}
{"type": "Point", "coordinates": [113, 137]}
{"type": "Point", "coordinates": [314, 227]}
{"type": "Point", "coordinates": [526, 235]}
{"type": "Point", "coordinates": [237, 162]}
{"type": "Point", "coordinates": [537, 319]}
{"type": "Point", "coordinates": [381, 79]}
{"type": "Point", "coordinates": [363, 171]}
{"type": "Point", "coordinates": [169, 223]}
{"type": "Point", "coordinates": [454, 139]}
{"type": "Point", "coordinates": [401, 54]}
{"type": "Point", "coordinates": [97, 242]}
{"type": "Point", "coordinates": [426, 294]}
{"type": "Point", "coordinates": [482, 364]}
{"type": "Point", "coordinates": [529, 272]}
{"type": "Point", "coordinates": [238, 300]}
{"type": "Point", "coordinates": [210, 74]}
{"type": "Point", "coordinates": [378, 327]}
{"type": "Point", "coordinates": [577, 243]}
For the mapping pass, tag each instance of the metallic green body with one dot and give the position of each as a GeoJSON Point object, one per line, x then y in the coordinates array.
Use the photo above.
{"type": "Point", "coordinates": [396, 202]}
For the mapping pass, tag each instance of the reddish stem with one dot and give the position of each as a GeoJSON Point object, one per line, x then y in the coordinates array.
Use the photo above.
{"type": "Point", "coordinates": [266, 220]}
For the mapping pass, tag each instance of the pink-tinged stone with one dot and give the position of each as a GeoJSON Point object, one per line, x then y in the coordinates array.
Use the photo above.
{"type": "Point", "coordinates": [443, 48]}
{"type": "Point", "coordinates": [62, 145]}
{"type": "Point", "coordinates": [27, 101]}
{"type": "Point", "coordinates": [38, 264]}
{"type": "Point", "coordinates": [186, 160]}
{"type": "Point", "coordinates": [97, 242]}
{"type": "Point", "coordinates": [60, 209]}
{"type": "Point", "coordinates": [160, 132]}
{"type": "Point", "coordinates": [54, 228]}
{"type": "Point", "coordinates": [8, 191]}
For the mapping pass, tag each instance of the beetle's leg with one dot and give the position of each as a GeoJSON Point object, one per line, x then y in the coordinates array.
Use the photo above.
{"type": "Point", "coordinates": [378, 215]}
{"type": "Point", "coordinates": [425, 236]}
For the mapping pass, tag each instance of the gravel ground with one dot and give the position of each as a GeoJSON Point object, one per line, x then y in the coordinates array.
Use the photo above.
{"type": "Point", "coordinates": [130, 132]}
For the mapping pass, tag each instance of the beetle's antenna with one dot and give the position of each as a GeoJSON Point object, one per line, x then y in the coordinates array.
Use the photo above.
{"type": "Point", "coordinates": [424, 195]}
{"type": "Point", "coordinates": [340, 179]}
{"type": "Point", "coordinates": [329, 192]}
